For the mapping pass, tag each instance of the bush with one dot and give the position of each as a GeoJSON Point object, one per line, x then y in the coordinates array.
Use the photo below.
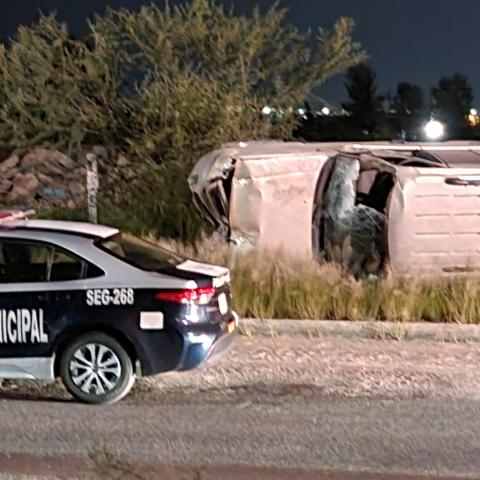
{"type": "Point", "coordinates": [162, 87]}
{"type": "Point", "coordinates": [275, 286]}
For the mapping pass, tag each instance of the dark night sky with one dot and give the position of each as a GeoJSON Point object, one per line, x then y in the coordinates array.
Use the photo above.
{"type": "Point", "coordinates": [416, 41]}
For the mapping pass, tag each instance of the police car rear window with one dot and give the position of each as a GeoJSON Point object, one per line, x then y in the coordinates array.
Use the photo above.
{"type": "Point", "coordinates": [140, 253]}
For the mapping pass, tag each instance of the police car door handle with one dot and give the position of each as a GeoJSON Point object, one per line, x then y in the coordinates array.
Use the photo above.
{"type": "Point", "coordinates": [43, 297]}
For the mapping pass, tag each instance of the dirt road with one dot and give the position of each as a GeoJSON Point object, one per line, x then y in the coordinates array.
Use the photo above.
{"type": "Point", "coordinates": [311, 404]}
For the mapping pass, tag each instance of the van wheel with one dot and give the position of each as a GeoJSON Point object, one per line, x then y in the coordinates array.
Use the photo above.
{"type": "Point", "coordinates": [96, 369]}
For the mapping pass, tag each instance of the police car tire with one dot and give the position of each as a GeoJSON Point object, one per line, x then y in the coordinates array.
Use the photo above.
{"type": "Point", "coordinates": [127, 376]}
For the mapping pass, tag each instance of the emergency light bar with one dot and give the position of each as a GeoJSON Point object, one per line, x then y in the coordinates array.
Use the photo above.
{"type": "Point", "coordinates": [13, 215]}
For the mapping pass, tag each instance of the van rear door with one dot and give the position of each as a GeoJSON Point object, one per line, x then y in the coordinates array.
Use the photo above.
{"type": "Point", "coordinates": [434, 222]}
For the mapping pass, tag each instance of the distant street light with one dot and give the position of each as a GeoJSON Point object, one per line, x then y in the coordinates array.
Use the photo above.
{"type": "Point", "coordinates": [434, 130]}
{"type": "Point", "coordinates": [473, 118]}
{"type": "Point", "coordinates": [325, 111]}
{"type": "Point", "coordinates": [303, 113]}
{"type": "Point", "coordinates": [266, 110]}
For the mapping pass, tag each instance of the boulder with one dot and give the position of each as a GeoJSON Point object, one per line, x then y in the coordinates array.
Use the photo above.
{"type": "Point", "coordinates": [46, 160]}
{"type": "Point", "coordinates": [19, 195]}
{"type": "Point", "coordinates": [77, 189]}
{"type": "Point", "coordinates": [61, 159]}
{"type": "Point", "coordinates": [46, 180]}
{"type": "Point", "coordinates": [54, 170]}
{"type": "Point", "coordinates": [5, 186]}
{"type": "Point", "coordinates": [9, 164]}
{"type": "Point", "coordinates": [27, 181]}
{"type": "Point", "coordinates": [31, 161]}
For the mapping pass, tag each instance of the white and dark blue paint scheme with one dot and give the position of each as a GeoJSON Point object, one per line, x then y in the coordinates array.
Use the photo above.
{"type": "Point", "coordinates": [76, 303]}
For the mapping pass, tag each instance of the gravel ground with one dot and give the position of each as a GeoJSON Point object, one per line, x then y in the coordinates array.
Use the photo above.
{"type": "Point", "coordinates": [356, 405]}
{"type": "Point", "coordinates": [271, 369]}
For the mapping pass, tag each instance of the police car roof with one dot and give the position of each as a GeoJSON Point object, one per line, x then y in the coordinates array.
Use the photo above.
{"type": "Point", "coordinates": [80, 228]}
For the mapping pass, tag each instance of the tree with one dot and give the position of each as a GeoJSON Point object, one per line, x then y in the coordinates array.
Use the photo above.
{"type": "Point", "coordinates": [366, 105]}
{"type": "Point", "coordinates": [149, 81]}
{"type": "Point", "coordinates": [409, 106]}
{"type": "Point", "coordinates": [164, 85]}
{"type": "Point", "coordinates": [452, 101]}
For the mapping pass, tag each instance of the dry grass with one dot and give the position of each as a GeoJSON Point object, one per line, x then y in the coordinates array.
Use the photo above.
{"type": "Point", "coordinates": [272, 286]}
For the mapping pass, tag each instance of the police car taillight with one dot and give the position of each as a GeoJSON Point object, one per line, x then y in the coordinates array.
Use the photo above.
{"type": "Point", "coordinates": [195, 296]}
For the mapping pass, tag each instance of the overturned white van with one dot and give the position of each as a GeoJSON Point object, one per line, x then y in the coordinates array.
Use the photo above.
{"type": "Point", "coordinates": [414, 208]}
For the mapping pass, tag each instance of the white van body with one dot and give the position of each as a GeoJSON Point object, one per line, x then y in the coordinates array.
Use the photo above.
{"type": "Point", "coordinates": [411, 208]}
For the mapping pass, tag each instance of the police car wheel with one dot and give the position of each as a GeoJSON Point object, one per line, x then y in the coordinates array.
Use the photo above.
{"type": "Point", "coordinates": [95, 368]}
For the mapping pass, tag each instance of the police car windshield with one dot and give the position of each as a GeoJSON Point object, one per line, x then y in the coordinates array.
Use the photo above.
{"type": "Point", "coordinates": [138, 252]}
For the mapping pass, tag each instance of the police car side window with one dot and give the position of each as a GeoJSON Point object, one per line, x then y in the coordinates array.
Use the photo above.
{"type": "Point", "coordinates": [22, 262]}
{"type": "Point", "coordinates": [67, 266]}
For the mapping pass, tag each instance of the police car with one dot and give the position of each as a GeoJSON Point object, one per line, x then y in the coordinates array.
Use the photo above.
{"type": "Point", "coordinates": [95, 307]}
